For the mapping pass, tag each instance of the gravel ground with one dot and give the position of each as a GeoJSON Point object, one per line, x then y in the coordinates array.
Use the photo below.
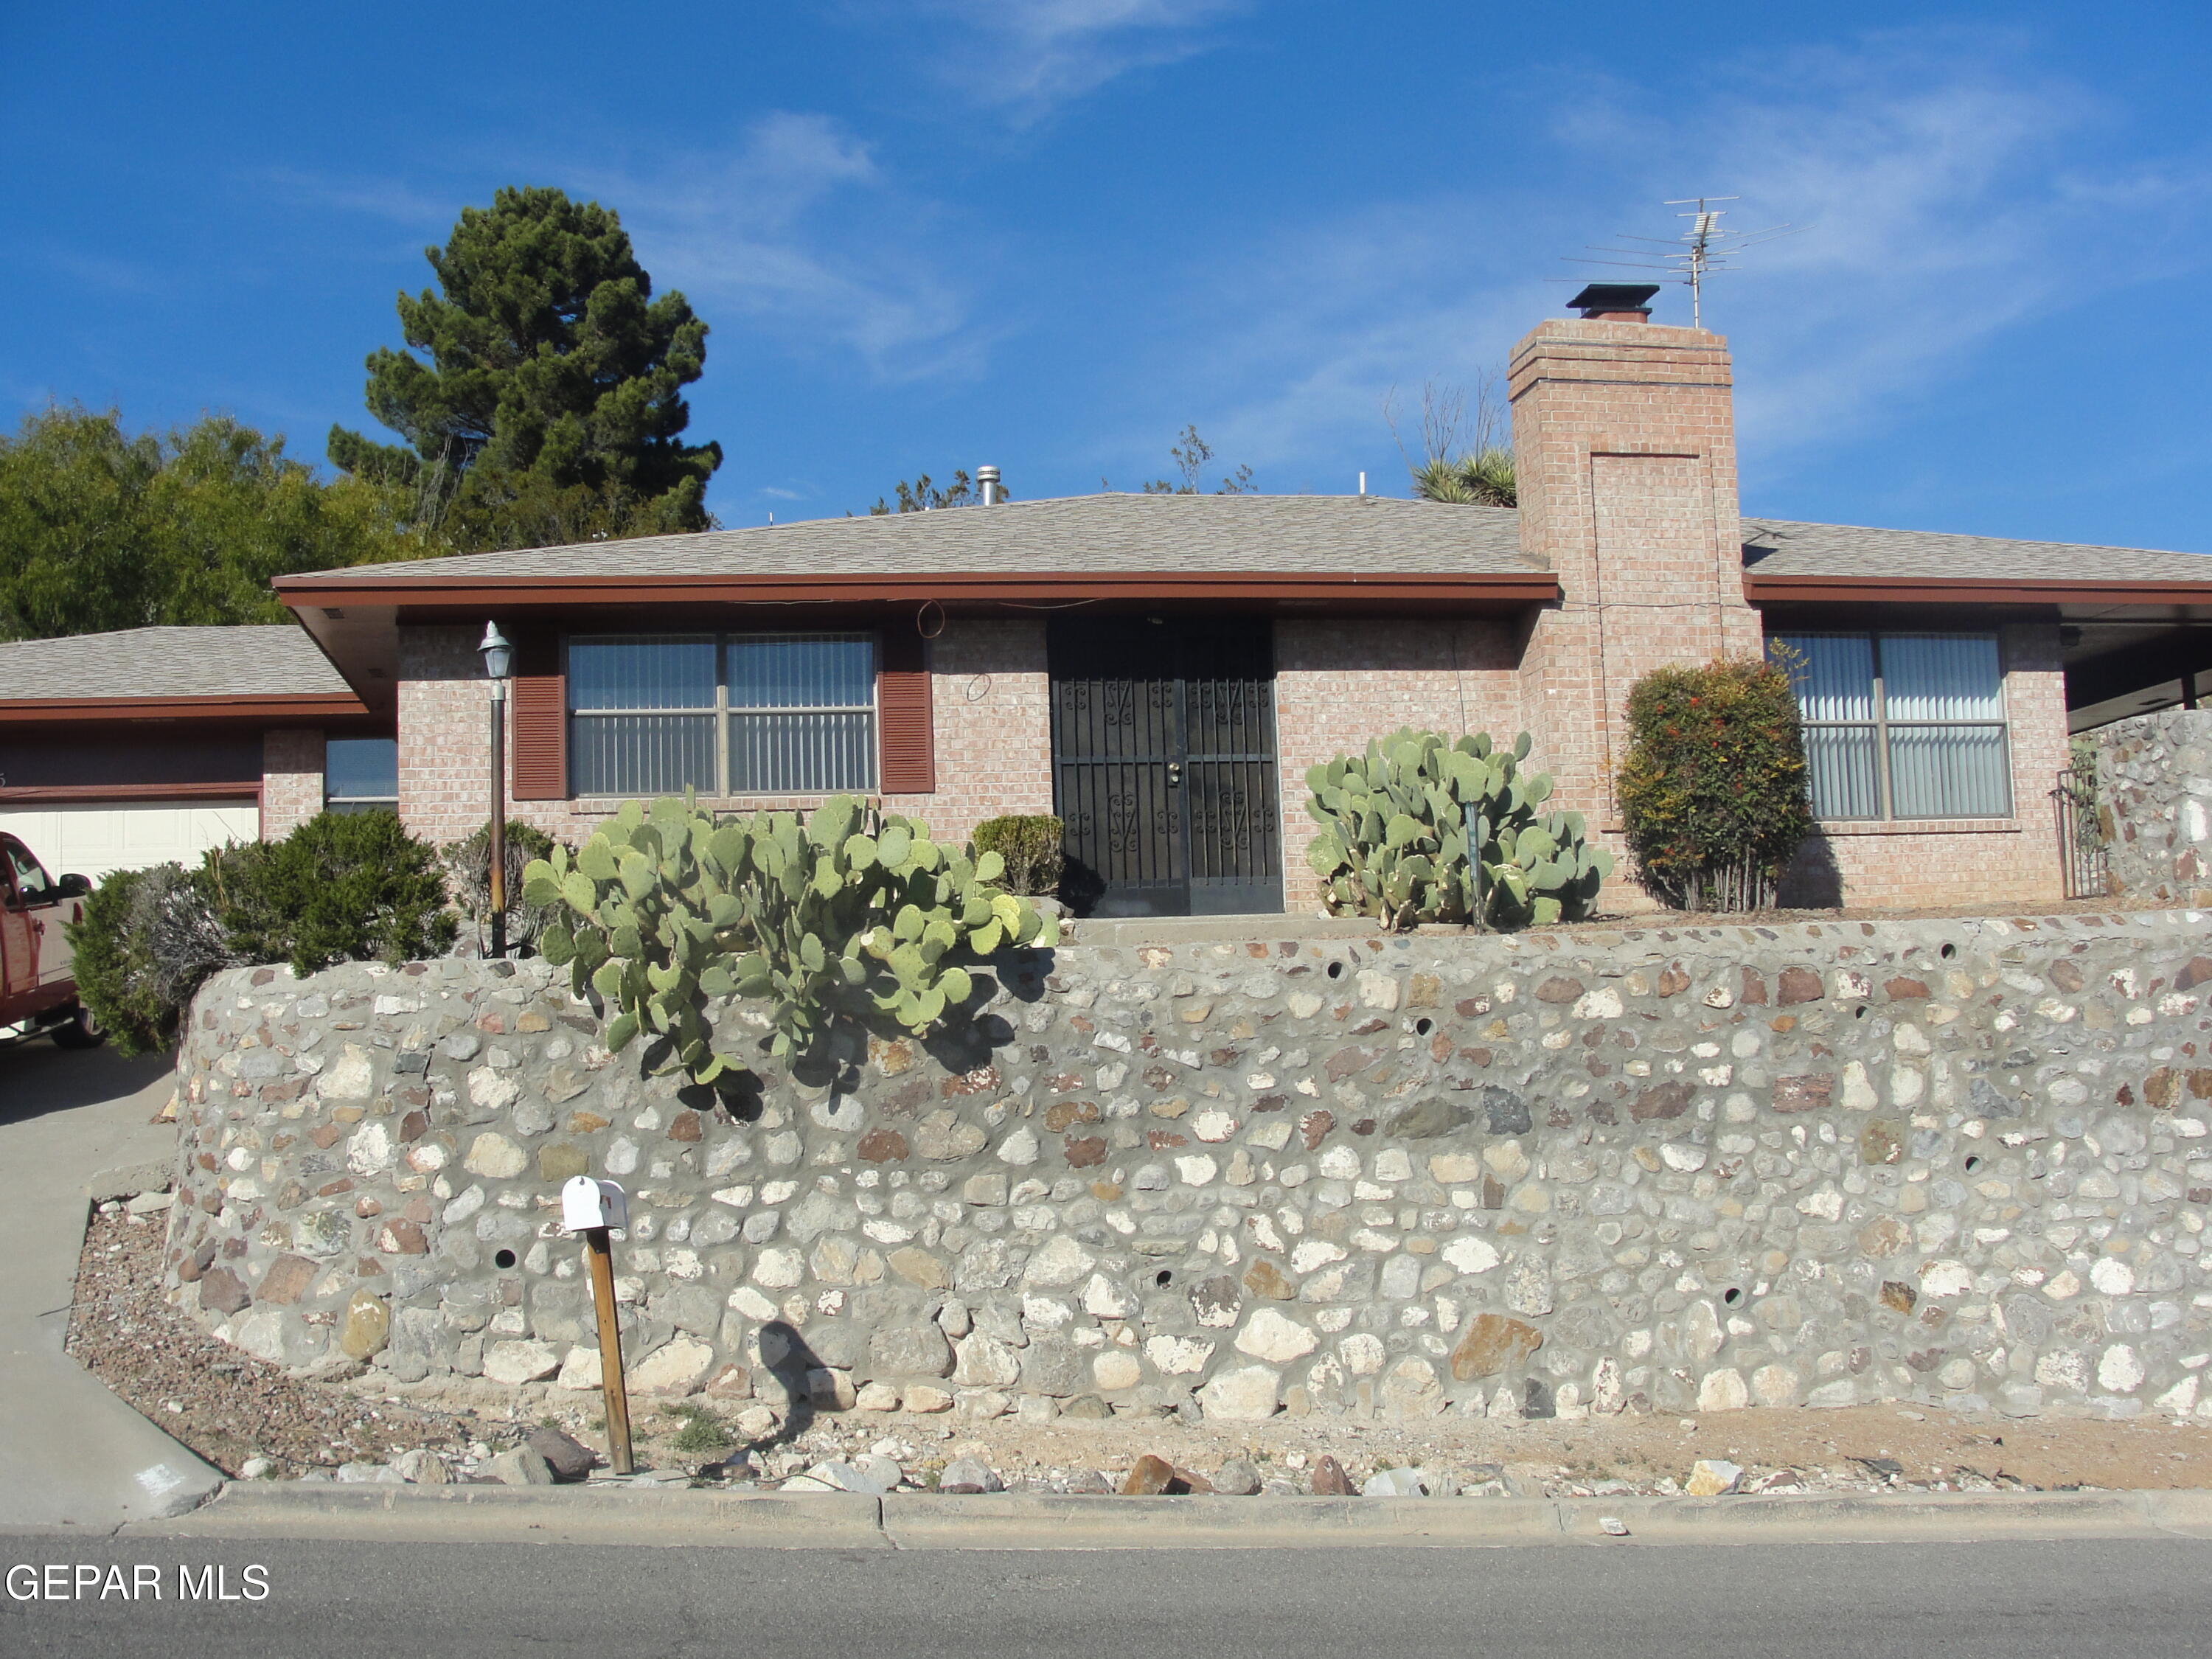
{"type": "Point", "coordinates": [226, 1405]}
{"type": "Point", "coordinates": [232, 1409]}
{"type": "Point", "coordinates": [1778, 1451]}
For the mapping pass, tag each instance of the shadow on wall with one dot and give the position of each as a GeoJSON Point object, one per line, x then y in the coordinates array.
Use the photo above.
{"type": "Point", "coordinates": [1814, 881]}
{"type": "Point", "coordinates": [797, 1370]}
{"type": "Point", "coordinates": [959, 1045]}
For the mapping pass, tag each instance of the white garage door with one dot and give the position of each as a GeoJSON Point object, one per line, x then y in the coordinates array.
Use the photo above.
{"type": "Point", "coordinates": [91, 840]}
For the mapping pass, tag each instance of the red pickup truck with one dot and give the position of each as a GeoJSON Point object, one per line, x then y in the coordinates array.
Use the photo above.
{"type": "Point", "coordinates": [37, 985]}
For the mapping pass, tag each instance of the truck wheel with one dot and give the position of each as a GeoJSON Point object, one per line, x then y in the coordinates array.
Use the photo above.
{"type": "Point", "coordinates": [81, 1030]}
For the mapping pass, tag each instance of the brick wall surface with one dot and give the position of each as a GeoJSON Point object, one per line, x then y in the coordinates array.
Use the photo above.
{"type": "Point", "coordinates": [1339, 684]}
{"type": "Point", "coordinates": [291, 781]}
{"type": "Point", "coordinates": [1624, 438]}
{"type": "Point", "coordinates": [990, 719]}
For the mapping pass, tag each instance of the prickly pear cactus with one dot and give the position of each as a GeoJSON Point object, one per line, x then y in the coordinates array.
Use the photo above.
{"type": "Point", "coordinates": [664, 911]}
{"type": "Point", "coordinates": [1424, 829]}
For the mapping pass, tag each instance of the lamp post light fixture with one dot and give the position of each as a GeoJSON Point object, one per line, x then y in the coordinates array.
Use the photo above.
{"type": "Point", "coordinates": [499, 664]}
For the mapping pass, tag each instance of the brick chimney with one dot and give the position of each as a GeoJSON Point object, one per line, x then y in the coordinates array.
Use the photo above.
{"type": "Point", "coordinates": [1624, 443]}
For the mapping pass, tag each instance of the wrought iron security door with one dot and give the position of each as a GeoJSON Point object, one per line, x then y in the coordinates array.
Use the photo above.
{"type": "Point", "coordinates": [1164, 765]}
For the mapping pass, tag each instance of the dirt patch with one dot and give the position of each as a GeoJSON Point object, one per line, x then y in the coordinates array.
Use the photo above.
{"type": "Point", "coordinates": [224, 1404]}
{"type": "Point", "coordinates": [1793, 1449]}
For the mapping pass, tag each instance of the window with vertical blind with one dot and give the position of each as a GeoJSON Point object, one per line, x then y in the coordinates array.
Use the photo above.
{"type": "Point", "coordinates": [1902, 726]}
{"type": "Point", "coordinates": [725, 713]}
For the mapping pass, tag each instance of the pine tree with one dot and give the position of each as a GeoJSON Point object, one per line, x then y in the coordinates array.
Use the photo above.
{"type": "Point", "coordinates": [550, 407]}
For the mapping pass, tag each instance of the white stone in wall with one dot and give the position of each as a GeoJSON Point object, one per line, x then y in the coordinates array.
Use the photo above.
{"type": "Point", "coordinates": [1604, 1003]}
{"type": "Point", "coordinates": [2114, 1277]}
{"type": "Point", "coordinates": [1270, 1336]}
{"type": "Point", "coordinates": [1378, 989]}
{"type": "Point", "coordinates": [1103, 1299]}
{"type": "Point", "coordinates": [2119, 1371]}
{"type": "Point", "coordinates": [370, 1150]}
{"type": "Point", "coordinates": [1243, 1393]}
{"type": "Point", "coordinates": [1315, 1253]}
{"type": "Point", "coordinates": [1362, 1354]}
{"type": "Point", "coordinates": [1470, 1254]}
{"type": "Point", "coordinates": [678, 1366]}
{"type": "Point", "coordinates": [517, 1362]}
{"type": "Point", "coordinates": [1178, 1356]}
{"type": "Point", "coordinates": [1115, 1371]}
{"type": "Point", "coordinates": [492, 1091]}
{"type": "Point", "coordinates": [778, 1269]}
{"type": "Point", "coordinates": [1061, 1262]}
{"type": "Point", "coordinates": [1722, 1390]}
{"type": "Point", "coordinates": [351, 1077]}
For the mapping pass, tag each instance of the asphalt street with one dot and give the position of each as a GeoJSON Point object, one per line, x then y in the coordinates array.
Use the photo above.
{"type": "Point", "coordinates": [1982, 1600]}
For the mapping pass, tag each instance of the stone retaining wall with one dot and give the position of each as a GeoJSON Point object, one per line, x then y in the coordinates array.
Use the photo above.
{"type": "Point", "coordinates": [2154, 805]}
{"type": "Point", "coordinates": [1654, 1168]}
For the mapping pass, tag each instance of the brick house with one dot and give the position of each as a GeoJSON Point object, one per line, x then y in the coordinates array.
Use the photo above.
{"type": "Point", "coordinates": [1162, 670]}
{"type": "Point", "coordinates": [119, 750]}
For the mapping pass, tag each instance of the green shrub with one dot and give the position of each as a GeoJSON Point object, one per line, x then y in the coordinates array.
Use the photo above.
{"type": "Point", "coordinates": [467, 864]}
{"type": "Point", "coordinates": [1425, 829]}
{"type": "Point", "coordinates": [1031, 847]}
{"type": "Point", "coordinates": [113, 971]}
{"type": "Point", "coordinates": [853, 910]}
{"type": "Point", "coordinates": [343, 887]}
{"type": "Point", "coordinates": [702, 1431]}
{"type": "Point", "coordinates": [147, 941]}
{"type": "Point", "coordinates": [1713, 790]}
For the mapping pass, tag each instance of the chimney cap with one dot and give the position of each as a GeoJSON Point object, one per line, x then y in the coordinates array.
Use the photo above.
{"type": "Point", "coordinates": [1624, 302]}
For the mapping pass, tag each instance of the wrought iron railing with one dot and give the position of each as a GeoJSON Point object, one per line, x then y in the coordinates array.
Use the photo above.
{"type": "Point", "coordinates": [2082, 859]}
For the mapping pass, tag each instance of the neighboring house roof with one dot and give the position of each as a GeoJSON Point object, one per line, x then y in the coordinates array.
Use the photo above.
{"type": "Point", "coordinates": [213, 671]}
{"type": "Point", "coordinates": [1080, 534]}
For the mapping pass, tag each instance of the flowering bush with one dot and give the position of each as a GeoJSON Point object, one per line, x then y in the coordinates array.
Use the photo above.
{"type": "Point", "coordinates": [1713, 790]}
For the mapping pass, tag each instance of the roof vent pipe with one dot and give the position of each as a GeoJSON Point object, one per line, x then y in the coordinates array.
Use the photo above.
{"type": "Point", "coordinates": [987, 485]}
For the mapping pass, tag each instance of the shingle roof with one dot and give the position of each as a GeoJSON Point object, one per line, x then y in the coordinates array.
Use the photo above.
{"type": "Point", "coordinates": [1776, 547]}
{"type": "Point", "coordinates": [1293, 534]}
{"type": "Point", "coordinates": [277, 660]}
{"type": "Point", "coordinates": [1183, 533]}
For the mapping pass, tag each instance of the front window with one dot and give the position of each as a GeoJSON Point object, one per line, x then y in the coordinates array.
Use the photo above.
{"type": "Point", "coordinates": [726, 715]}
{"type": "Point", "coordinates": [1902, 726]}
{"type": "Point", "coordinates": [362, 775]}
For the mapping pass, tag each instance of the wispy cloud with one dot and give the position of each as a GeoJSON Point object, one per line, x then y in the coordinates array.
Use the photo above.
{"type": "Point", "coordinates": [389, 199]}
{"type": "Point", "coordinates": [793, 231]}
{"type": "Point", "coordinates": [1027, 57]}
{"type": "Point", "coordinates": [798, 231]}
{"type": "Point", "coordinates": [1949, 197]}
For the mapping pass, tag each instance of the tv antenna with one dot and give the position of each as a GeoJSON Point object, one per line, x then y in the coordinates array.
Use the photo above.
{"type": "Point", "coordinates": [1700, 251]}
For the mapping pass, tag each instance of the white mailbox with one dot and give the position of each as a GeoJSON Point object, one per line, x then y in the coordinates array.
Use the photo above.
{"type": "Point", "coordinates": [586, 1203]}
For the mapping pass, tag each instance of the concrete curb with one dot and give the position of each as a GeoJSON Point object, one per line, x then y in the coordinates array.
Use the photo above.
{"type": "Point", "coordinates": [487, 1514]}
{"type": "Point", "coordinates": [1040, 1521]}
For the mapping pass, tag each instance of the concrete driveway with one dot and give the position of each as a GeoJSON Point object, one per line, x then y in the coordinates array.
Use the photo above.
{"type": "Point", "coordinates": [73, 1128]}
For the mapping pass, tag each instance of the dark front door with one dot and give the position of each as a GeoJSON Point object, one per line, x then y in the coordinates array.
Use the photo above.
{"type": "Point", "coordinates": [1163, 765]}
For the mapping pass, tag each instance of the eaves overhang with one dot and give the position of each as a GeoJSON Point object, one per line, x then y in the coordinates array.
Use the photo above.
{"type": "Point", "coordinates": [2072, 596]}
{"type": "Point", "coordinates": [305, 708]}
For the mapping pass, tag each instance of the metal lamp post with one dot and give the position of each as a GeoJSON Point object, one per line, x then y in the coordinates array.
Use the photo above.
{"type": "Point", "coordinates": [499, 663]}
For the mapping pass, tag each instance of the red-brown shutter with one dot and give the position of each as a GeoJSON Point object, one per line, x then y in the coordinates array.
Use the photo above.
{"type": "Point", "coordinates": [903, 714]}
{"type": "Point", "coordinates": [541, 716]}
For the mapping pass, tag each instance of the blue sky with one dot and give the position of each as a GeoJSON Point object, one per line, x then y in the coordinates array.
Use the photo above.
{"type": "Point", "coordinates": [1046, 234]}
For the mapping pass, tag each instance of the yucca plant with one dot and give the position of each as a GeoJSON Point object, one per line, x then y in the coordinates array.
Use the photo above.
{"type": "Point", "coordinates": [1479, 478]}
